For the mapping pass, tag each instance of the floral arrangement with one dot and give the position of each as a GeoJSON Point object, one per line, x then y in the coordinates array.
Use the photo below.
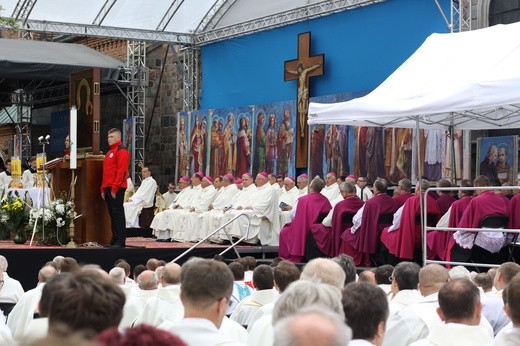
{"type": "Point", "coordinates": [14, 214]}
{"type": "Point", "coordinates": [54, 230]}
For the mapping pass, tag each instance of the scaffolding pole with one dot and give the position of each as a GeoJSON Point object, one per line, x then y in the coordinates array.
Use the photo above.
{"type": "Point", "coordinates": [136, 74]}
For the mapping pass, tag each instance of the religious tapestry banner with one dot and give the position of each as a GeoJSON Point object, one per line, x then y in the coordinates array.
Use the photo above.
{"type": "Point", "coordinates": [496, 158]}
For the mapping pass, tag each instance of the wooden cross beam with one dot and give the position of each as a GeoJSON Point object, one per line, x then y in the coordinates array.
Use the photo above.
{"type": "Point", "coordinates": [301, 69]}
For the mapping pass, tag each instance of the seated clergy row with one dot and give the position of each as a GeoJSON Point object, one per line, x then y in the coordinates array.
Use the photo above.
{"type": "Point", "coordinates": [200, 209]}
{"type": "Point", "coordinates": [386, 229]}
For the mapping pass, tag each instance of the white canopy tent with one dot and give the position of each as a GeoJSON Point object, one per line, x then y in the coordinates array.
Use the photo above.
{"type": "Point", "coordinates": [468, 80]}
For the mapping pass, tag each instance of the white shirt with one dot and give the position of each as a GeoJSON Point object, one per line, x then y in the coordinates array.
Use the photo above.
{"type": "Point", "coordinates": [455, 334]}
{"type": "Point", "coordinates": [12, 290]}
{"type": "Point", "coordinates": [199, 331]}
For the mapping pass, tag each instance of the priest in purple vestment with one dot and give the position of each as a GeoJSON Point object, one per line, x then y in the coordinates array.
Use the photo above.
{"type": "Point", "coordinates": [487, 202]}
{"type": "Point", "coordinates": [445, 198]}
{"type": "Point", "coordinates": [361, 240]}
{"type": "Point", "coordinates": [438, 240]}
{"type": "Point", "coordinates": [328, 237]}
{"type": "Point", "coordinates": [405, 241]}
{"type": "Point", "coordinates": [403, 192]}
{"type": "Point", "coordinates": [307, 211]}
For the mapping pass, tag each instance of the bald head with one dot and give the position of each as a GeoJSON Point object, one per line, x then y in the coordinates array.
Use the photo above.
{"type": "Point", "coordinates": [324, 270]}
{"type": "Point", "coordinates": [431, 278]}
{"type": "Point", "coordinates": [46, 273]}
{"type": "Point", "coordinates": [171, 274]}
{"type": "Point", "coordinates": [147, 280]}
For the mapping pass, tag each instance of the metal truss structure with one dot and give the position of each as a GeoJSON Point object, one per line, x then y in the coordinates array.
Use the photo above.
{"type": "Point", "coordinates": [136, 80]}
{"type": "Point", "coordinates": [460, 17]}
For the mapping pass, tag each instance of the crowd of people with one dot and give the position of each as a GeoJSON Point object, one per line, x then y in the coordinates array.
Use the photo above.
{"type": "Point", "coordinates": [329, 301]}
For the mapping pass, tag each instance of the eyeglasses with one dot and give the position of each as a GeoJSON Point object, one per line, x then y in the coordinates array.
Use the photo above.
{"type": "Point", "coordinates": [228, 300]}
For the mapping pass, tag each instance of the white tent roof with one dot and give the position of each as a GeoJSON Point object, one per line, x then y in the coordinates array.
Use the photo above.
{"type": "Point", "coordinates": [180, 21]}
{"type": "Point", "coordinates": [470, 80]}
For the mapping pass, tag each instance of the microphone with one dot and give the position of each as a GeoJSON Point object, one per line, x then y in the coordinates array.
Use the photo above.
{"type": "Point", "coordinates": [40, 138]}
{"type": "Point", "coordinates": [47, 137]}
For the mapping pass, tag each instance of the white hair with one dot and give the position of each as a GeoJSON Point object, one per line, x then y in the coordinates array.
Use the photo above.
{"type": "Point", "coordinates": [302, 293]}
{"type": "Point", "coordinates": [117, 275]}
{"type": "Point", "coordinates": [291, 330]}
{"type": "Point", "coordinates": [3, 263]}
{"type": "Point", "coordinates": [459, 272]}
{"type": "Point", "coordinates": [324, 270]}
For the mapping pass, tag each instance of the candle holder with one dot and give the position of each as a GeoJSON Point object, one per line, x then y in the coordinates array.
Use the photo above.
{"type": "Point", "coordinates": [16, 173]}
{"type": "Point", "coordinates": [72, 228]}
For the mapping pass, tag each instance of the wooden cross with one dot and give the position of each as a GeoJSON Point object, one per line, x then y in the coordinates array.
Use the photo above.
{"type": "Point", "coordinates": [302, 68]}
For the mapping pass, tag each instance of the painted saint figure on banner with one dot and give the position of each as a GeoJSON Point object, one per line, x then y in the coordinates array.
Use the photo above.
{"type": "Point", "coordinates": [261, 145]}
{"type": "Point", "coordinates": [243, 153]}
{"type": "Point", "coordinates": [271, 145]}
{"type": "Point", "coordinates": [197, 145]}
{"type": "Point", "coordinates": [343, 163]}
{"type": "Point", "coordinates": [216, 148]}
{"type": "Point", "coordinates": [183, 148]}
{"type": "Point", "coordinates": [229, 153]}
{"type": "Point", "coordinates": [331, 148]}
{"type": "Point", "coordinates": [317, 137]}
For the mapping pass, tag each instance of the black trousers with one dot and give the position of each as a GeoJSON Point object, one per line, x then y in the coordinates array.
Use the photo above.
{"type": "Point", "coordinates": [117, 215]}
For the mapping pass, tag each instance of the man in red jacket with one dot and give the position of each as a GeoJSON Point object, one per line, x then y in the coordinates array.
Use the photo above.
{"type": "Point", "coordinates": [113, 185]}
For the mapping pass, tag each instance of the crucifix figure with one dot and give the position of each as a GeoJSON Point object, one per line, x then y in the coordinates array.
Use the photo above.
{"type": "Point", "coordinates": [302, 69]}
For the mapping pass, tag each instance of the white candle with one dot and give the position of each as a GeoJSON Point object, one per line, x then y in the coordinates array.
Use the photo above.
{"type": "Point", "coordinates": [73, 137]}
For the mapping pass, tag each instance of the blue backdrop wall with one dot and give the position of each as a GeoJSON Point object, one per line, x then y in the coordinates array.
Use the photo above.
{"type": "Point", "coordinates": [362, 47]}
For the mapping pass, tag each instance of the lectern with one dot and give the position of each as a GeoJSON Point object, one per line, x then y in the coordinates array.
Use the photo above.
{"type": "Point", "coordinates": [94, 224]}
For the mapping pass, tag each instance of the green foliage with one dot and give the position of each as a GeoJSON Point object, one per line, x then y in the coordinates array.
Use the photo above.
{"type": "Point", "coordinates": [56, 217]}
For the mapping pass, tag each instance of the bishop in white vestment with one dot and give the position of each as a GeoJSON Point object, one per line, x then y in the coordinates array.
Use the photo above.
{"type": "Point", "coordinates": [142, 198]}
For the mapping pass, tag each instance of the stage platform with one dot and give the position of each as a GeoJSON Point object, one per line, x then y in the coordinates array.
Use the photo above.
{"type": "Point", "coordinates": [25, 261]}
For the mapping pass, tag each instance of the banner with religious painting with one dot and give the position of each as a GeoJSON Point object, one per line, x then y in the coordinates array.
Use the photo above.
{"type": "Point", "coordinates": [182, 153]}
{"type": "Point", "coordinates": [198, 144]}
{"type": "Point", "coordinates": [274, 139]}
{"type": "Point", "coordinates": [222, 141]}
{"type": "Point", "coordinates": [496, 158]}
{"type": "Point", "coordinates": [244, 141]}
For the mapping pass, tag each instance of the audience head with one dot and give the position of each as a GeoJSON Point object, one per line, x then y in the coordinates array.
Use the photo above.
{"type": "Point", "coordinates": [206, 288]}
{"type": "Point", "coordinates": [147, 280]}
{"type": "Point", "coordinates": [83, 300]}
{"type": "Point", "coordinates": [347, 189]}
{"type": "Point", "coordinates": [484, 281]}
{"type": "Point", "coordinates": [505, 273]}
{"type": "Point", "coordinates": [312, 326]}
{"type": "Point", "coordinates": [284, 274]}
{"type": "Point", "coordinates": [459, 272]}
{"type": "Point", "coordinates": [481, 181]}
{"type": "Point", "coordinates": [238, 270]}
{"type": "Point", "coordinates": [68, 265]}
{"type": "Point", "coordinates": [125, 266]}
{"type": "Point", "coordinates": [459, 302]}
{"type": "Point", "coordinates": [263, 277]}
{"type": "Point", "coordinates": [367, 276]}
{"type": "Point", "coordinates": [171, 274]}
{"type": "Point", "coordinates": [349, 267]}
{"type": "Point", "coordinates": [383, 274]}
{"type": "Point", "coordinates": [46, 273]}
{"type": "Point", "coordinates": [117, 275]}
{"type": "Point", "coordinates": [302, 293]}
{"type": "Point", "coordinates": [142, 335]}
{"type": "Point", "coordinates": [58, 260]}
{"type": "Point", "coordinates": [405, 276]}
{"type": "Point", "coordinates": [431, 278]}
{"type": "Point", "coordinates": [366, 310]}
{"type": "Point", "coordinates": [511, 296]}
{"type": "Point", "coordinates": [3, 263]}
{"type": "Point", "coordinates": [250, 262]}
{"type": "Point", "coordinates": [138, 269]}
{"type": "Point", "coordinates": [324, 270]}
{"type": "Point", "coordinates": [422, 185]}
{"type": "Point", "coordinates": [152, 264]}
